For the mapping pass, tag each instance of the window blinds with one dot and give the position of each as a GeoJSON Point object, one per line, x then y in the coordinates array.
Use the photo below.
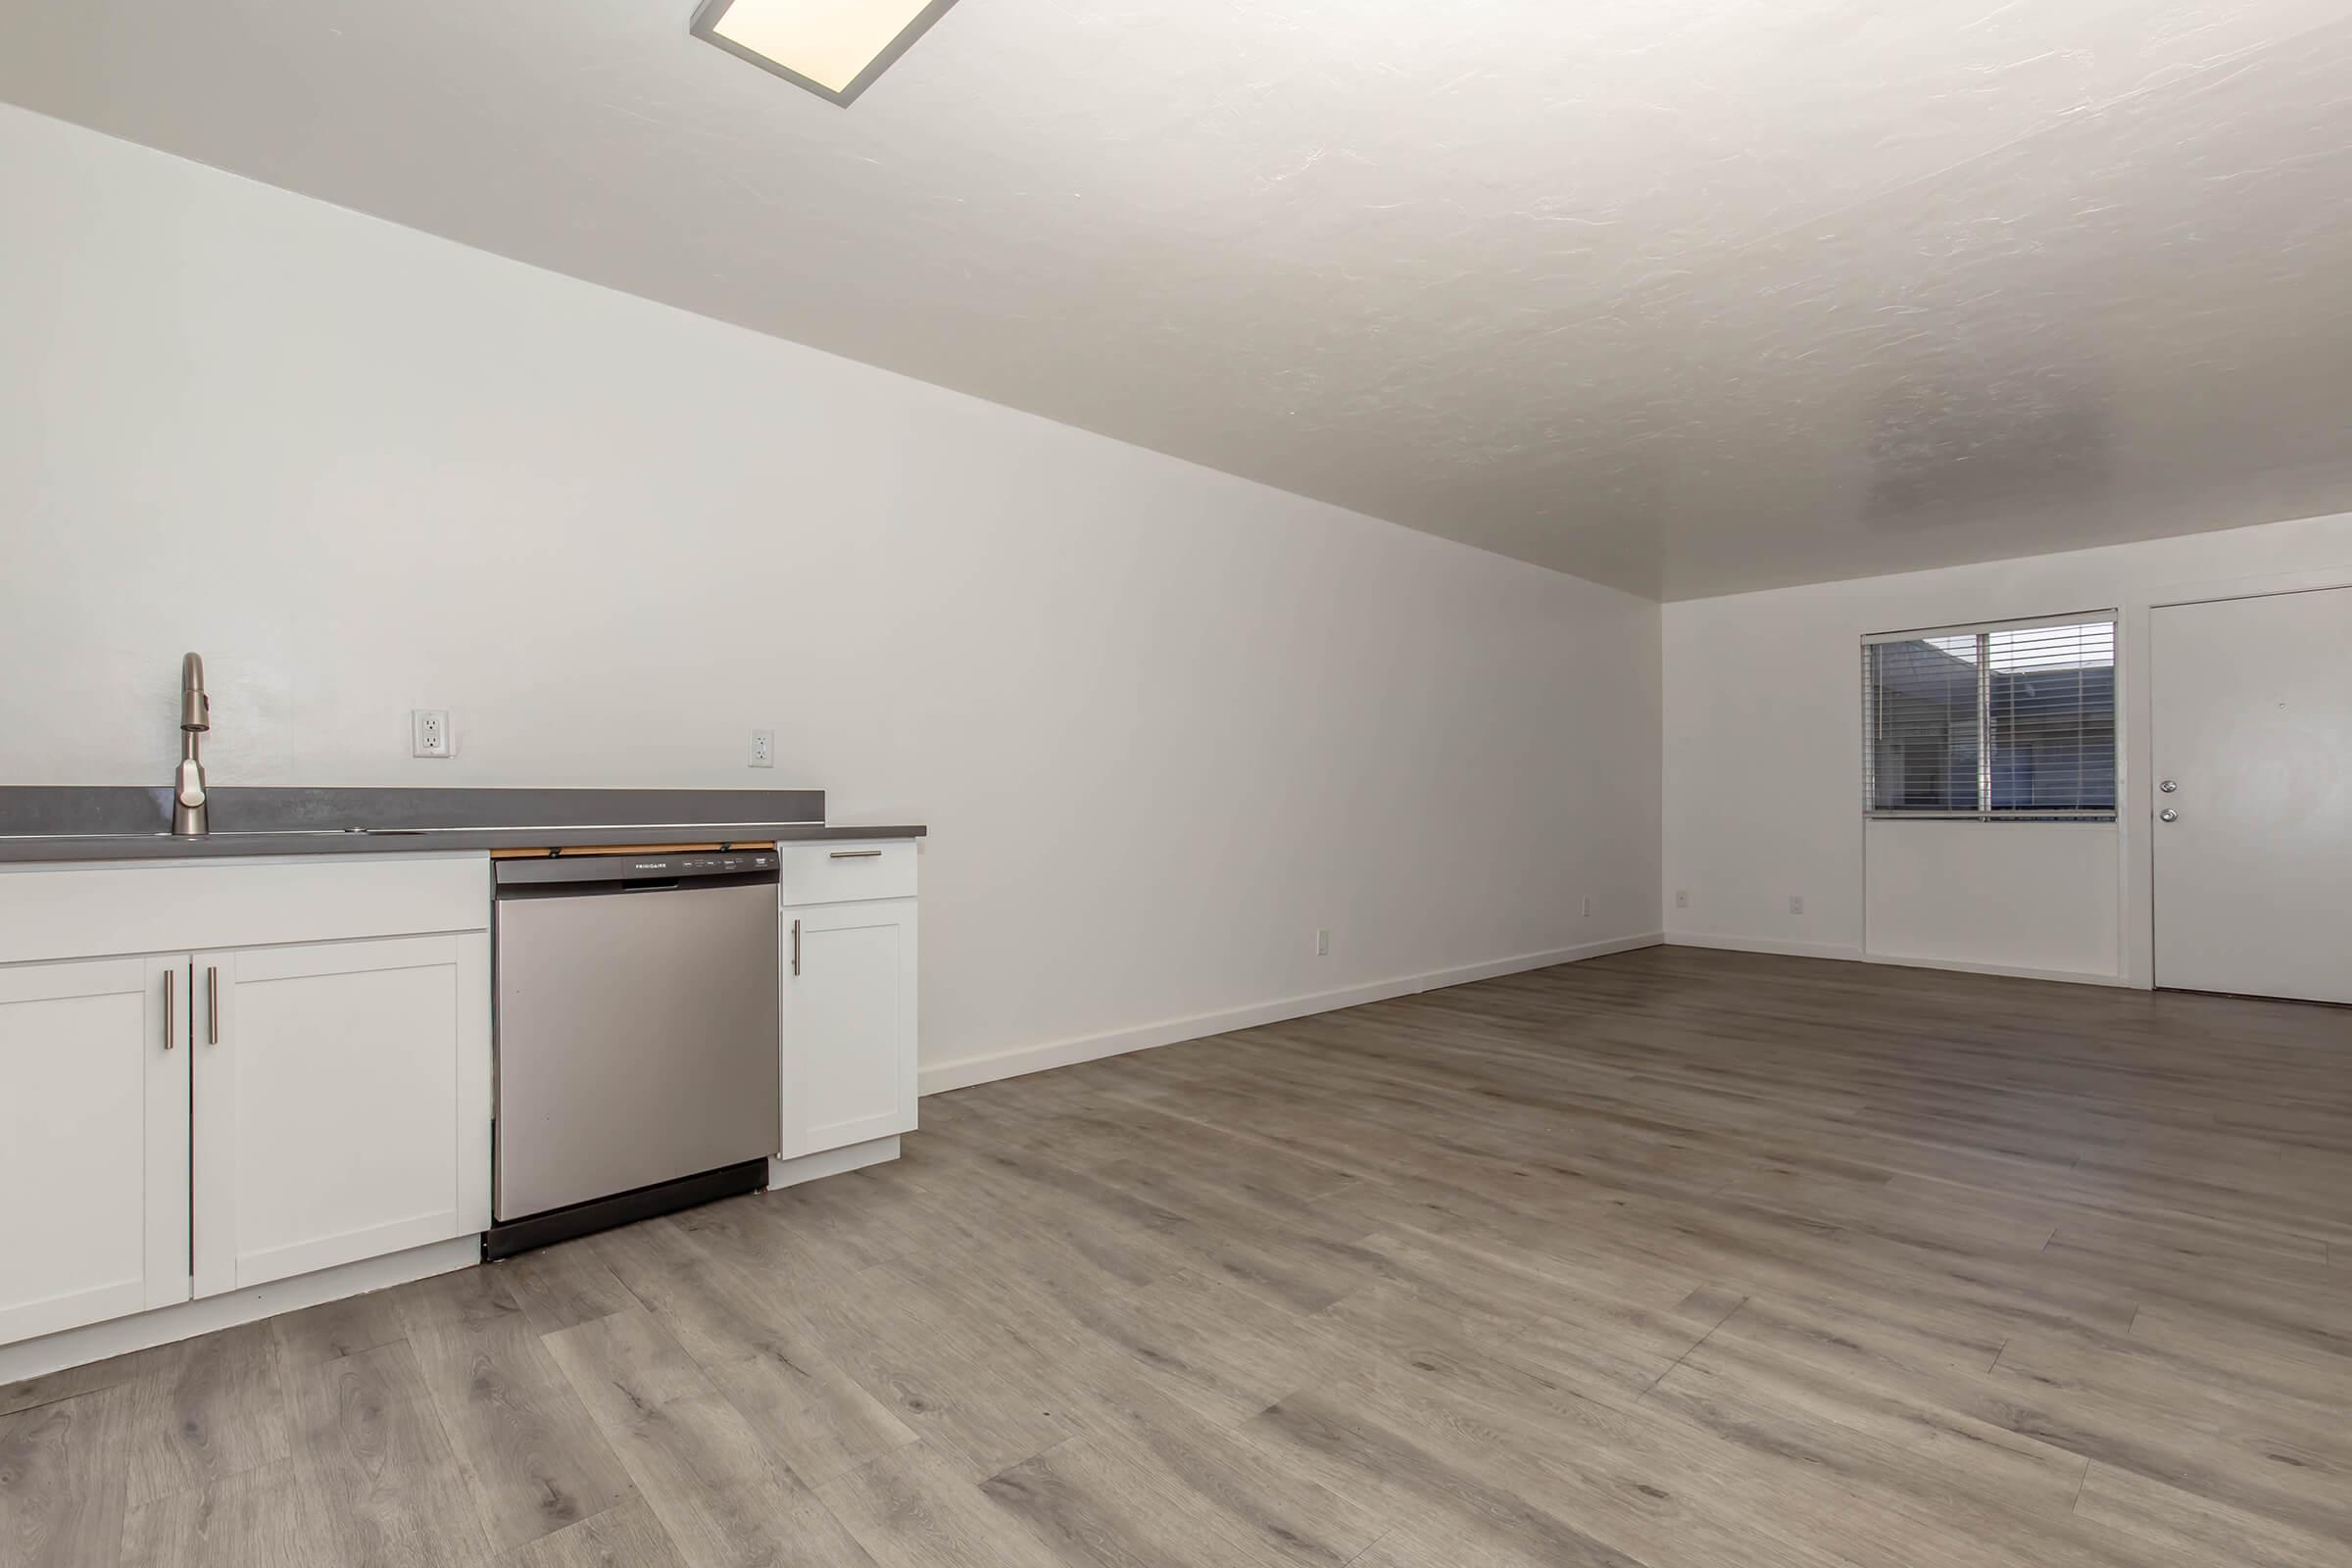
{"type": "Point", "coordinates": [2012, 719]}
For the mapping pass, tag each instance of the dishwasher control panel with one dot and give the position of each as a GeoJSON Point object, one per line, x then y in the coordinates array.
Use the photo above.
{"type": "Point", "coordinates": [713, 865]}
{"type": "Point", "coordinates": [677, 865]}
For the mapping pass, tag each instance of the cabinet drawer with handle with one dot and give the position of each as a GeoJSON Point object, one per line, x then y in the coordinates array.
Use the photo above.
{"type": "Point", "coordinates": [838, 870]}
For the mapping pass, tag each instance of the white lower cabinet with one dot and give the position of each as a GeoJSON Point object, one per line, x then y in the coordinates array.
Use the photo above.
{"type": "Point", "coordinates": [336, 1087]}
{"type": "Point", "coordinates": [93, 1140]}
{"type": "Point", "coordinates": [310, 1087]}
{"type": "Point", "coordinates": [849, 1023]}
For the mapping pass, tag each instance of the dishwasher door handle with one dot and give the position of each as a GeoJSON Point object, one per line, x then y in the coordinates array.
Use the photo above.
{"type": "Point", "coordinates": [796, 947]}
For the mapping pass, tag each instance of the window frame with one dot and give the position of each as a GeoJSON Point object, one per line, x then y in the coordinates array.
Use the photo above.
{"type": "Point", "coordinates": [1983, 631]}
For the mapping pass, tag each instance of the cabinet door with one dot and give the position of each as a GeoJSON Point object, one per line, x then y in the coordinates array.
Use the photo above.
{"type": "Point", "coordinates": [341, 1103]}
{"type": "Point", "coordinates": [849, 1024]}
{"type": "Point", "coordinates": [93, 1140]}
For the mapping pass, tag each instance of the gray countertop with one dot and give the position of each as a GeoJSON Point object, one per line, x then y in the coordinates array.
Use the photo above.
{"type": "Point", "coordinates": [104, 822]}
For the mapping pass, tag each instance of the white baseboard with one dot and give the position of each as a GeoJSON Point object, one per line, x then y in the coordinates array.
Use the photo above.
{"type": "Point", "coordinates": [831, 1162]}
{"type": "Point", "coordinates": [184, 1320]}
{"type": "Point", "coordinates": [1844, 953]}
{"type": "Point", "coordinates": [1786, 949]}
{"type": "Point", "coordinates": [1023, 1059]}
{"type": "Point", "coordinates": [2072, 977]}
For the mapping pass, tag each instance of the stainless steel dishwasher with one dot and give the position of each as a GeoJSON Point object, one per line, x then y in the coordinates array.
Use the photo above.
{"type": "Point", "coordinates": [637, 1041]}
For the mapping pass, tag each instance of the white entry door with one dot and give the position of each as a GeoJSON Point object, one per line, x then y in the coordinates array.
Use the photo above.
{"type": "Point", "coordinates": [2252, 706]}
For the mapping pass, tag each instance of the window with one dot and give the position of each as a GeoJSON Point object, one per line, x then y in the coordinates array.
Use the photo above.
{"type": "Point", "coordinates": [2006, 721]}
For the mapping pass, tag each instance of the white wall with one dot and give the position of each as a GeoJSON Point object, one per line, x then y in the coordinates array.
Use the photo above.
{"type": "Point", "coordinates": [2024, 895]}
{"type": "Point", "coordinates": [1163, 723]}
{"type": "Point", "coordinates": [1763, 792]}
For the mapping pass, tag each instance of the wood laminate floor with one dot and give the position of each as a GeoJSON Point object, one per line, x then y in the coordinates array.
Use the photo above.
{"type": "Point", "coordinates": [1670, 1258]}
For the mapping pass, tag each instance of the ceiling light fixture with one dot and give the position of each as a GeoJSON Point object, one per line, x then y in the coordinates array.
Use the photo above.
{"type": "Point", "coordinates": [834, 48]}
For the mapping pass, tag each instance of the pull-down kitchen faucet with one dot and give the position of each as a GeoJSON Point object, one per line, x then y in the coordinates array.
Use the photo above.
{"type": "Point", "coordinates": [188, 816]}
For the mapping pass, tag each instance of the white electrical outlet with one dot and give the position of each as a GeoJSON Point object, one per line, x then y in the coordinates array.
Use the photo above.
{"type": "Point", "coordinates": [1797, 903]}
{"type": "Point", "coordinates": [1322, 944]}
{"type": "Point", "coordinates": [428, 732]}
{"type": "Point", "coordinates": [763, 748]}
{"type": "Point", "coordinates": [1682, 898]}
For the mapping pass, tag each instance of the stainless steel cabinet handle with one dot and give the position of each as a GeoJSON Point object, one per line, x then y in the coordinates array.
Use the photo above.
{"type": "Point", "coordinates": [796, 947]}
{"type": "Point", "coordinates": [856, 854]}
{"type": "Point", "coordinates": [212, 1004]}
{"type": "Point", "coordinates": [2168, 814]}
{"type": "Point", "coordinates": [170, 990]}
{"type": "Point", "coordinates": [2167, 786]}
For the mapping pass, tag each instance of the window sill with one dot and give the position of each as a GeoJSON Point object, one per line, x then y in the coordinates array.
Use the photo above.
{"type": "Point", "coordinates": [1990, 816]}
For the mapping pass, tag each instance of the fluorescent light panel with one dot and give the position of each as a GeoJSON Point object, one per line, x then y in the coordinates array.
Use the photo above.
{"type": "Point", "coordinates": [834, 48]}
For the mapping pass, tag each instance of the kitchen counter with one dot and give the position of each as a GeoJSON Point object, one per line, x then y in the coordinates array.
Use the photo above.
{"type": "Point", "coordinates": [56, 823]}
{"type": "Point", "coordinates": [778, 1014]}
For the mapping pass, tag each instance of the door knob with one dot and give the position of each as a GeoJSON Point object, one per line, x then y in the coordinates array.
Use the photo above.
{"type": "Point", "coordinates": [2169, 785]}
{"type": "Point", "coordinates": [2168, 814]}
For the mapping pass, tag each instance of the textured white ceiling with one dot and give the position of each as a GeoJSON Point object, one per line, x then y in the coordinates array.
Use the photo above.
{"type": "Point", "coordinates": [1688, 296]}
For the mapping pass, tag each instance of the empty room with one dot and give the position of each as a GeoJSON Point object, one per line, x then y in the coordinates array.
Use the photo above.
{"type": "Point", "coordinates": [1319, 784]}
